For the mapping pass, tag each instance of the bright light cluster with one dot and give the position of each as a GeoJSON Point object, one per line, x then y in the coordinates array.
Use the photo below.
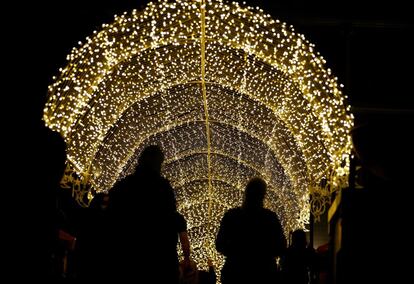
{"type": "Point", "coordinates": [228, 92]}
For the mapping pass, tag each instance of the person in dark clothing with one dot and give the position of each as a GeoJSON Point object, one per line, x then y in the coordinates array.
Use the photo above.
{"type": "Point", "coordinates": [209, 276]}
{"type": "Point", "coordinates": [321, 267]}
{"type": "Point", "coordinates": [50, 156]}
{"type": "Point", "coordinates": [250, 237]}
{"type": "Point", "coordinates": [298, 260]}
{"type": "Point", "coordinates": [192, 275]}
{"type": "Point", "coordinates": [92, 240]}
{"type": "Point", "coordinates": [146, 225]}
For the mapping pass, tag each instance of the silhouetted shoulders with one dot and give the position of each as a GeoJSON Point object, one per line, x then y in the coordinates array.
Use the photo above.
{"type": "Point", "coordinates": [179, 220]}
{"type": "Point", "coordinates": [224, 240]}
{"type": "Point", "coordinates": [278, 243]}
{"type": "Point", "coordinates": [165, 183]}
{"type": "Point", "coordinates": [231, 218]}
{"type": "Point", "coordinates": [233, 212]}
{"type": "Point", "coordinates": [120, 188]}
{"type": "Point", "coordinates": [272, 216]}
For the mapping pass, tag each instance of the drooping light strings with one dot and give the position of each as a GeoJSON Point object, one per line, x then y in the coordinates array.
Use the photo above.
{"type": "Point", "coordinates": [272, 110]}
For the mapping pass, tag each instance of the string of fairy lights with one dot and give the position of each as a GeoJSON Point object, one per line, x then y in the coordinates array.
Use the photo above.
{"type": "Point", "coordinates": [227, 91]}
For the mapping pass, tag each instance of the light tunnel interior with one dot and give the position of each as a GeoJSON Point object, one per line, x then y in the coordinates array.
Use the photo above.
{"type": "Point", "coordinates": [226, 91]}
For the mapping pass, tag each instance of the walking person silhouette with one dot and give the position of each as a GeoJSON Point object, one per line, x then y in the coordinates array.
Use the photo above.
{"type": "Point", "coordinates": [146, 225]}
{"type": "Point", "coordinates": [298, 261]}
{"type": "Point", "coordinates": [250, 237]}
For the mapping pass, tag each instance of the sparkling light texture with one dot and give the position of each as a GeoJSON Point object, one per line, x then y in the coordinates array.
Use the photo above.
{"type": "Point", "coordinates": [228, 92]}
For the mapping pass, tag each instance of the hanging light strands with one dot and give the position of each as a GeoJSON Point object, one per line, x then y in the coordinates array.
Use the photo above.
{"type": "Point", "coordinates": [229, 92]}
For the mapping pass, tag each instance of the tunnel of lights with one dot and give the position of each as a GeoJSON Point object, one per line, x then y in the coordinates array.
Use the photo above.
{"type": "Point", "coordinates": [227, 91]}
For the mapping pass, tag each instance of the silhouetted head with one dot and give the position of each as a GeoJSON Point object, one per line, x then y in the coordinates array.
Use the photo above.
{"type": "Point", "coordinates": [151, 158]}
{"type": "Point", "coordinates": [299, 238]}
{"type": "Point", "coordinates": [255, 193]}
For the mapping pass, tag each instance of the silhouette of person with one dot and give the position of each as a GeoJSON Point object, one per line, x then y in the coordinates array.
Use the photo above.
{"type": "Point", "coordinates": [298, 260]}
{"type": "Point", "coordinates": [207, 277]}
{"type": "Point", "coordinates": [191, 275]}
{"type": "Point", "coordinates": [36, 232]}
{"type": "Point", "coordinates": [146, 224]}
{"type": "Point", "coordinates": [250, 237]}
{"type": "Point", "coordinates": [92, 249]}
{"type": "Point", "coordinates": [50, 156]}
{"type": "Point", "coordinates": [188, 274]}
{"type": "Point", "coordinates": [322, 264]}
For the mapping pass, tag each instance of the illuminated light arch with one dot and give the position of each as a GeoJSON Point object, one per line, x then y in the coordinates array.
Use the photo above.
{"type": "Point", "coordinates": [226, 90]}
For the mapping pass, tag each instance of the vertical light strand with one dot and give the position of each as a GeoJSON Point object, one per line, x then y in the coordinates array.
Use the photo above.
{"type": "Point", "coordinates": [239, 106]}
{"type": "Point", "coordinates": [204, 92]}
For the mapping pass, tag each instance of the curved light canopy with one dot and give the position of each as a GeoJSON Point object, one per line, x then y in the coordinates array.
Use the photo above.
{"type": "Point", "coordinates": [228, 92]}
